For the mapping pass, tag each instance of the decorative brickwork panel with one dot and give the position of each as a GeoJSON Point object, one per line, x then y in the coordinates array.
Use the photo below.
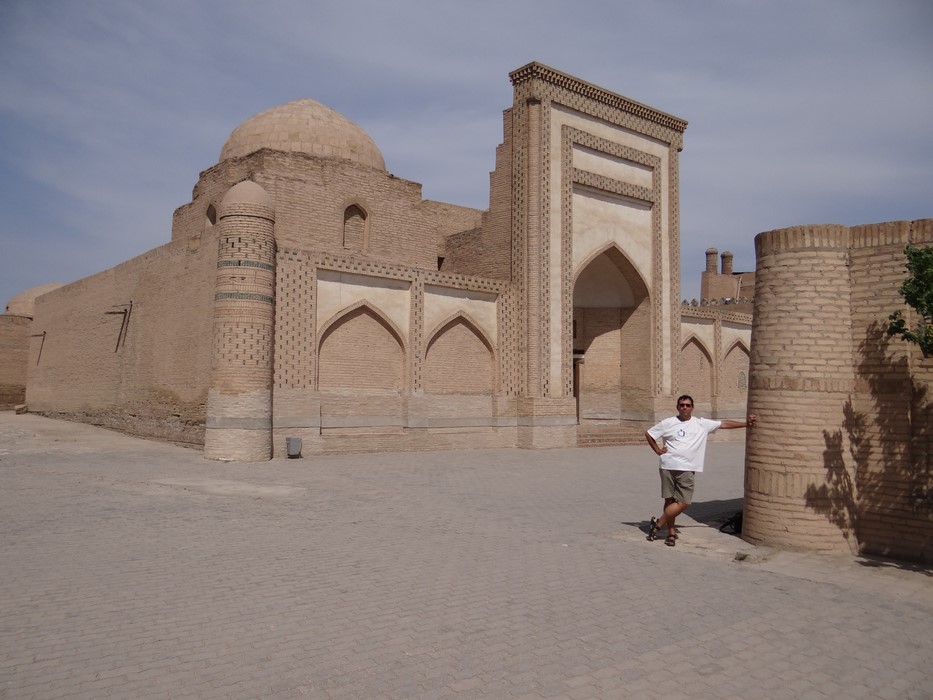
{"type": "Point", "coordinates": [511, 368]}
{"type": "Point", "coordinates": [239, 411]}
{"type": "Point", "coordinates": [650, 195]}
{"type": "Point", "coordinates": [416, 335]}
{"type": "Point", "coordinates": [537, 298]}
{"type": "Point", "coordinates": [538, 93]}
{"type": "Point", "coordinates": [244, 311]}
{"type": "Point", "coordinates": [606, 105]}
{"type": "Point", "coordinates": [295, 327]}
{"type": "Point", "coordinates": [673, 286]}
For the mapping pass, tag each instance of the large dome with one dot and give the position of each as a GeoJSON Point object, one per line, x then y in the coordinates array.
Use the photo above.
{"type": "Point", "coordinates": [304, 126]}
{"type": "Point", "coordinates": [24, 303]}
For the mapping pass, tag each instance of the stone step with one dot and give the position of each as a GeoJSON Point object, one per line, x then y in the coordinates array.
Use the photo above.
{"type": "Point", "coordinates": [610, 435]}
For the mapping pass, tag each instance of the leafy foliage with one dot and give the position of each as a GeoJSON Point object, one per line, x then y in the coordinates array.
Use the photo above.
{"type": "Point", "coordinates": [917, 291]}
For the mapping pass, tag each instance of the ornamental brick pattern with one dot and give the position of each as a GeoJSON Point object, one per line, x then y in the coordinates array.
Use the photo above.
{"type": "Point", "coordinates": [540, 93]}
{"type": "Point", "coordinates": [571, 137]}
{"type": "Point", "coordinates": [239, 409]}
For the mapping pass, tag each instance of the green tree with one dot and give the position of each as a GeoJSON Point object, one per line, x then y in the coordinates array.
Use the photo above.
{"type": "Point", "coordinates": [917, 291]}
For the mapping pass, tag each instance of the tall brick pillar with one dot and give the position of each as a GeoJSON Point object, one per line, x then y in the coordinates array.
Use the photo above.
{"type": "Point", "coordinates": [546, 410]}
{"type": "Point", "coordinates": [239, 402]}
{"type": "Point", "coordinates": [801, 381]}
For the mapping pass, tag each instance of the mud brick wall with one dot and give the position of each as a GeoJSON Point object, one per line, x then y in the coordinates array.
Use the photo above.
{"type": "Point", "coordinates": [141, 367]}
{"type": "Point", "coordinates": [14, 345]}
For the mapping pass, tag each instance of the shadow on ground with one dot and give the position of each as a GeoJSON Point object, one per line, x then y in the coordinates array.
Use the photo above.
{"type": "Point", "coordinates": [704, 513]}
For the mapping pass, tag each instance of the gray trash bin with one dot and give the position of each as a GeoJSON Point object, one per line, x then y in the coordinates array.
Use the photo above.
{"type": "Point", "coordinates": [293, 447]}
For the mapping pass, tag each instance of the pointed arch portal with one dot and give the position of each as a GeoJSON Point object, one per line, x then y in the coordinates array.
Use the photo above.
{"type": "Point", "coordinates": [611, 339]}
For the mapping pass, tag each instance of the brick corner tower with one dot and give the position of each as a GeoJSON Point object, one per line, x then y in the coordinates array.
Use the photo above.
{"type": "Point", "coordinates": [239, 403]}
{"type": "Point", "coordinates": [801, 379]}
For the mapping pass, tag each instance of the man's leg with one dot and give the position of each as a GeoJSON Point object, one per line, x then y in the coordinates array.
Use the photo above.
{"type": "Point", "coordinates": [672, 508]}
{"type": "Point", "coordinates": [664, 520]}
{"type": "Point", "coordinates": [681, 496]}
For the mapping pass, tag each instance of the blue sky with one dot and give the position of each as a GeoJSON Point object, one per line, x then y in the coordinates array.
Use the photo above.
{"type": "Point", "coordinates": [799, 112]}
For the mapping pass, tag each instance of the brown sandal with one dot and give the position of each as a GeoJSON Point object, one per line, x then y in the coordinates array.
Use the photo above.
{"type": "Point", "coordinates": [671, 540]}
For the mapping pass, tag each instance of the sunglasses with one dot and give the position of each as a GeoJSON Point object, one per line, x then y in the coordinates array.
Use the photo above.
{"type": "Point", "coordinates": [685, 405]}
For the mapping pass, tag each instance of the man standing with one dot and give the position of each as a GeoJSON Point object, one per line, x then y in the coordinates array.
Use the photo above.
{"type": "Point", "coordinates": [680, 442]}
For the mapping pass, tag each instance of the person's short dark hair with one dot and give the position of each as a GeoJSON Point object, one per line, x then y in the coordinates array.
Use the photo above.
{"type": "Point", "coordinates": [685, 397]}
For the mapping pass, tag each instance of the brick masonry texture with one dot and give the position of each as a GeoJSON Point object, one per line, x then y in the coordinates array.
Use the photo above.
{"type": "Point", "coordinates": [14, 357]}
{"type": "Point", "coordinates": [129, 347]}
{"type": "Point", "coordinates": [306, 292]}
{"type": "Point", "coordinates": [841, 459]}
{"type": "Point", "coordinates": [239, 404]}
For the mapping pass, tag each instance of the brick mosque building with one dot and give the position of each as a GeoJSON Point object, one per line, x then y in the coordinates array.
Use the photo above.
{"type": "Point", "coordinates": [308, 293]}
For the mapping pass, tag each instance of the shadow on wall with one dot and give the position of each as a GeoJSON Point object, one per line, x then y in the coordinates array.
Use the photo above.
{"type": "Point", "coordinates": [883, 504]}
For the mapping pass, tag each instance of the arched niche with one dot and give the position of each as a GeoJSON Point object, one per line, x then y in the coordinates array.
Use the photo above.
{"type": "Point", "coordinates": [459, 359]}
{"type": "Point", "coordinates": [612, 338]}
{"type": "Point", "coordinates": [361, 349]}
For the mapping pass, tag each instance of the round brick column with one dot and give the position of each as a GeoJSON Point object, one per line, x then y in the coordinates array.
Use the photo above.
{"type": "Point", "coordinates": [239, 402]}
{"type": "Point", "coordinates": [801, 381]}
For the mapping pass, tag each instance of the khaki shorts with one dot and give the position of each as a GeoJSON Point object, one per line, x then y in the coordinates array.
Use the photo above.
{"type": "Point", "coordinates": [677, 485]}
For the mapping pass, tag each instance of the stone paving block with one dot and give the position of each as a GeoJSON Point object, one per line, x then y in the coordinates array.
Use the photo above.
{"type": "Point", "coordinates": [136, 566]}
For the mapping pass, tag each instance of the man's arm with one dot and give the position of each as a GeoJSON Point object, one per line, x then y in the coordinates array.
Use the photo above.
{"type": "Point", "coordinates": [654, 445]}
{"type": "Point", "coordinates": [747, 423]}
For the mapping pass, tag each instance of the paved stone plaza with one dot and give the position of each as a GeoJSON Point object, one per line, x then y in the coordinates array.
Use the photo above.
{"type": "Point", "coordinates": [131, 569]}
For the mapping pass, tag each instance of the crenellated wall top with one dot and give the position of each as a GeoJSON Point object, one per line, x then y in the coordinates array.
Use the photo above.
{"type": "Point", "coordinates": [817, 236]}
{"type": "Point", "coordinates": [838, 237]}
{"type": "Point", "coordinates": [901, 233]}
{"type": "Point", "coordinates": [535, 70]}
{"type": "Point", "coordinates": [713, 312]}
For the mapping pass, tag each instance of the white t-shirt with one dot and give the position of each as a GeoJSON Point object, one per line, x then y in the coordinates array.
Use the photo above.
{"type": "Point", "coordinates": [685, 442]}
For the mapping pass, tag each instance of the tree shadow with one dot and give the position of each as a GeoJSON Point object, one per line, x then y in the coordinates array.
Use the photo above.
{"type": "Point", "coordinates": [714, 513]}
{"type": "Point", "coordinates": [871, 562]}
{"type": "Point", "coordinates": [878, 489]}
